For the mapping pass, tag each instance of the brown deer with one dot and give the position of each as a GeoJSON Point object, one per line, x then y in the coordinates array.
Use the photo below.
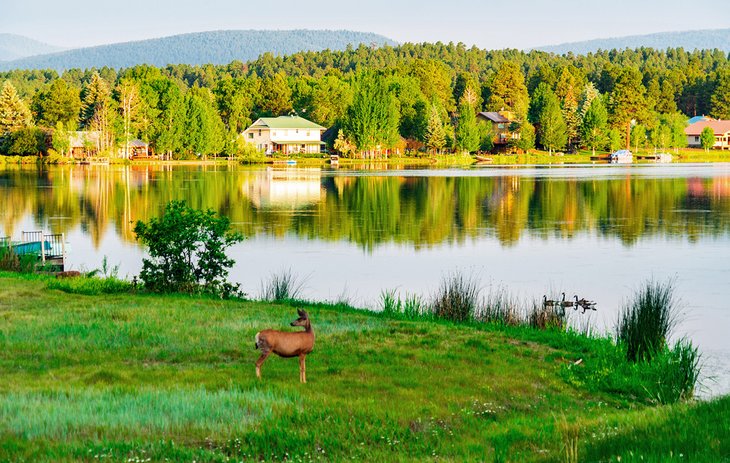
{"type": "Point", "coordinates": [287, 344]}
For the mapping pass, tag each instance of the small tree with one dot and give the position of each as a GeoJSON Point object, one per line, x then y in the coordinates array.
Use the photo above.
{"type": "Point", "coordinates": [187, 251]}
{"type": "Point", "coordinates": [707, 138]}
{"type": "Point", "coordinates": [435, 133]}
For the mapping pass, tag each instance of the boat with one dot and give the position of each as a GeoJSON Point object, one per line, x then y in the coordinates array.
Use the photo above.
{"type": "Point", "coordinates": [481, 158]}
{"type": "Point", "coordinates": [621, 157]}
{"type": "Point", "coordinates": [663, 157]}
{"type": "Point", "coordinates": [334, 159]}
{"type": "Point", "coordinates": [291, 162]}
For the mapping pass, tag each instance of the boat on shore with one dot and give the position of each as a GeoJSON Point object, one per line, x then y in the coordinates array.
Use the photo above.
{"type": "Point", "coordinates": [621, 157]}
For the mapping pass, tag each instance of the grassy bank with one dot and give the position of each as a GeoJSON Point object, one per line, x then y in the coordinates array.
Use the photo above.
{"type": "Point", "coordinates": [127, 377]}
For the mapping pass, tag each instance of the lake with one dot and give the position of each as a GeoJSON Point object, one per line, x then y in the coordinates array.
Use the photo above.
{"type": "Point", "coordinates": [595, 231]}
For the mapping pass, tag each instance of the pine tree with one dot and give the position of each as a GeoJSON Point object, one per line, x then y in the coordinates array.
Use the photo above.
{"type": "Point", "coordinates": [720, 100]}
{"type": "Point", "coordinates": [14, 113]}
{"type": "Point", "coordinates": [435, 132]}
{"type": "Point", "coordinates": [593, 126]}
{"type": "Point", "coordinates": [276, 95]}
{"type": "Point", "coordinates": [508, 91]}
{"type": "Point", "coordinates": [467, 132]}
{"type": "Point", "coordinates": [59, 102]}
{"type": "Point", "coordinates": [567, 95]}
{"type": "Point", "coordinates": [96, 112]}
{"type": "Point", "coordinates": [628, 102]}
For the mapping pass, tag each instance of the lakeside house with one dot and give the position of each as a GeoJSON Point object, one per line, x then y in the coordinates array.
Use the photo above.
{"type": "Point", "coordinates": [85, 143]}
{"type": "Point", "coordinates": [285, 134]}
{"type": "Point", "coordinates": [720, 127]}
{"type": "Point", "coordinates": [501, 122]}
{"type": "Point", "coordinates": [138, 149]}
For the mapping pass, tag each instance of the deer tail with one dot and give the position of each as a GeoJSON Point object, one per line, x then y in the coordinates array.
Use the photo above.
{"type": "Point", "coordinates": [257, 341]}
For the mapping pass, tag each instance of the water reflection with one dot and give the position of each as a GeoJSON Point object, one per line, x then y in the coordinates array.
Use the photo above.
{"type": "Point", "coordinates": [370, 210]}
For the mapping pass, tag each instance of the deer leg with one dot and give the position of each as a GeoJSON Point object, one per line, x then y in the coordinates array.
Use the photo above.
{"type": "Point", "coordinates": [302, 369]}
{"type": "Point", "coordinates": [260, 361]}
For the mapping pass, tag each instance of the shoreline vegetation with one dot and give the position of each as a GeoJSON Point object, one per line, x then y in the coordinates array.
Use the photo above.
{"type": "Point", "coordinates": [119, 373]}
{"type": "Point", "coordinates": [534, 157]}
{"type": "Point", "coordinates": [162, 368]}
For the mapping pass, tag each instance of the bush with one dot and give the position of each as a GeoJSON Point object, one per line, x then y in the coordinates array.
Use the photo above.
{"type": "Point", "coordinates": [187, 251]}
{"type": "Point", "coordinates": [645, 323]}
{"type": "Point", "coordinates": [457, 298]}
{"type": "Point", "coordinates": [12, 262]}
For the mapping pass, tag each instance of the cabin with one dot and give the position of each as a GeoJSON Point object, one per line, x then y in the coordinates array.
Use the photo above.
{"type": "Point", "coordinates": [285, 135]}
{"type": "Point", "coordinates": [501, 122]}
{"type": "Point", "coordinates": [138, 149]}
{"type": "Point", "coordinates": [84, 144]}
{"type": "Point", "coordinates": [720, 127]}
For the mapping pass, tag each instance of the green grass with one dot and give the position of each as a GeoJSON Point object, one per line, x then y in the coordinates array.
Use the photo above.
{"type": "Point", "coordinates": [126, 377]}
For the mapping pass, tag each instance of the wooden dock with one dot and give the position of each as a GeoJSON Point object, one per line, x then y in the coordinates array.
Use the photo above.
{"type": "Point", "coordinates": [49, 249]}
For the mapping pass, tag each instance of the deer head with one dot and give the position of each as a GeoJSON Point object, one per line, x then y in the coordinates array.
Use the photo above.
{"type": "Point", "coordinates": [303, 319]}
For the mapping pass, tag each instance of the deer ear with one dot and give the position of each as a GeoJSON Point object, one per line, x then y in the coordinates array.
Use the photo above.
{"type": "Point", "coordinates": [301, 312]}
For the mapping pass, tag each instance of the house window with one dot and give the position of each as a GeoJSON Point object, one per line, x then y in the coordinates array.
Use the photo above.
{"type": "Point", "coordinates": [303, 146]}
{"type": "Point", "coordinates": [500, 126]}
{"type": "Point", "coordinates": [297, 131]}
{"type": "Point", "coordinates": [250, 135]}
{"type": "Point", "coordinates": [697, 138]}
{"type": "Point", "coordinates": [307, 132]}
{"type": "Point", "coordinates": [259, 132]}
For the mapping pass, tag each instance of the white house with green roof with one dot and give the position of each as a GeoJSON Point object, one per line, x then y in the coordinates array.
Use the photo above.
{"type": "Point", "coordinates": [285, 134]}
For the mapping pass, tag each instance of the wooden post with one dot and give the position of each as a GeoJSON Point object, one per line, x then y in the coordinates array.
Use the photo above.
{"type": "Point", "coordinates": [43, 249]}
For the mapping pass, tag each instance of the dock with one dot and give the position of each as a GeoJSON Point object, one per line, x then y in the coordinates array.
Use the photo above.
{"type": "Point", "coordinates": [48, 249]}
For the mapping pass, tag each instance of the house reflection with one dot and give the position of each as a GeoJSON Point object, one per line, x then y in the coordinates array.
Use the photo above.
{"type": "Point", "coordinates": [281, 188]}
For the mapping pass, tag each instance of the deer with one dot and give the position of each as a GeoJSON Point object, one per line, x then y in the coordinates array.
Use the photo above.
{"type": "Point", "coordinates": [287, 344]}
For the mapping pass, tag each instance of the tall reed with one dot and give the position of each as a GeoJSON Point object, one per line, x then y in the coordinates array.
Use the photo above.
{"type": "Point", "coordinates": [646, 321]}
{"type": "Point", "coordinates": [457, 298]}
{"type": "Point", "coordinates": [282, 286]}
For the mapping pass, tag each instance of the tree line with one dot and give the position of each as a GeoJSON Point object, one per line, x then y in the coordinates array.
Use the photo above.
{"type": "Point", "coordinates": [417, 97]}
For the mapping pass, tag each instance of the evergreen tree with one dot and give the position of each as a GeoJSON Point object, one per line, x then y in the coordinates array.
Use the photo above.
{"type": "Point", "coordinates": [565, 90]}
{"type": "Point", "coordinates": [205, 132]}
{"type": "Point", "coordinates": [628, 102]}
{"type": "Point", "coordinates": [508, 91]}
{"type": "Point", "coordinates": [169, 126]}
{"type": "Point", "coordinates": [435, 133]}
{"type": "Point", "coordinates": [96, 110]}
{"type": "Point", "coordinates": [720, 99]}
{"type": "Point", "coordinates": [14, 113]}
{"type": "Point", "coordinates": [593, 127]}
{"type": "Point", "coordinates": [275, 95]}
{"type": "Point", "coordinates": [552, 125]}
{"type": "Point", "coordinates": [59, 102]}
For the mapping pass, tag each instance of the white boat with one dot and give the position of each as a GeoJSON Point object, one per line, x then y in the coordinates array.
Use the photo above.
{"type": "Point", "coordinates": [621, 157]}
{"type": "Point", "coordinates": [663, 157]}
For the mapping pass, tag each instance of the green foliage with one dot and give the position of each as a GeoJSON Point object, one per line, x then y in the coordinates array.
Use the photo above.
{"type": "Point", "coordinates": [594, 125]}
{"type": "Point", "coordinates": [525, 139]}
{"type": "Point", "coordinates": [646, 321]}
{"type": "Point", "coordinates": [720, 100]}
{"type": "Point", "coordinates": [14, 113]}
{"type": "Point", "coordinates": [58, 103]}
{"type": "Point", "coordinates": [707, 138]}
{"type": "Point", "coordinates": [628, 101]}
{"type": "Point", "coordinates": [60, 139]}
{"type": "Point", "coordinates": [30, 141]}
{"type": "Point", "coordinates": [187, 251]}
{"type": "Point", "coordinates": [372, 120]}
{"type": "Point", "coordinates": [638, 137]}
{"type": "Point", "coordinates": [12, 262]}
{"type": "Point", "coordinates": [204, 130]}
{"type": "Point", "coordinates": [467, 132]}
{"type": "Point", "coordinates": [507, 91]}
{"type": "Point", "coordinates": [552, 133]}
{"type": "Point", "coordinates": [275, 96]}
{"type": "Point", "coordinates": [435, 132]}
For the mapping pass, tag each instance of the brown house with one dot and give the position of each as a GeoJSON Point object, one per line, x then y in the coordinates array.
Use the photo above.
{"type": "Point", "coordinates": [720, 127]}
{"type": "Point", "coordinates": [84, 144]}
{"type": "Point", "coordinates": [501, 122]}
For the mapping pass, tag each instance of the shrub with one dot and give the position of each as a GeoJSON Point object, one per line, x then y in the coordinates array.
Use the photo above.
{"type": "Point", "coordinates": [187, 251]}
{"type": "Point", "coordinates": [646, 322]}
{"type": "Point", "coordinates": [500, 307]}
{"type": "Point", "coordinates": [12, 262]}
{"type": "Point", "coordinates": [282, 286]}
{"type": "Point", "coordinates": [457, 298]}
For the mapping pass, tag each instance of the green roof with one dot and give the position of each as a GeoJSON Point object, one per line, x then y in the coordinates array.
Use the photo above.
{"type": "Point", "coordinates": [287, 122]}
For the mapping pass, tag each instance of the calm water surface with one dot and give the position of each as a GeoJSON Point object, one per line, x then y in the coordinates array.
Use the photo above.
{"type": "Point", "coordinates": [597, 231]}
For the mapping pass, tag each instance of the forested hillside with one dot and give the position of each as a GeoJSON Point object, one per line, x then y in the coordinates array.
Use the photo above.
{"type": "Point", "coordinates": [16, 46]}
{"type": "Point", "coordinates": [416, 96]}
{"type": "Point", "coordinates": [215, 47]}
{"type": "Point", "coordinates": [689, 40]}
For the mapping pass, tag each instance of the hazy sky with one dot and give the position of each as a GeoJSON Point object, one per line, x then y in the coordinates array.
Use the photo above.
{"type": "Point", "coordinates": [486, 23]}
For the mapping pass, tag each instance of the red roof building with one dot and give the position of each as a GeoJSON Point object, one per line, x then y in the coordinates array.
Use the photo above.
{"type": "Point", "coordinates": [720, 127]}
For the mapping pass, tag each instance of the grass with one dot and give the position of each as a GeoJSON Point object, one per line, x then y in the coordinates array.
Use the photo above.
{"type": "Point", "coordinates": [282, 286]}
{"type": "Point", "coordinates": [127, 377]}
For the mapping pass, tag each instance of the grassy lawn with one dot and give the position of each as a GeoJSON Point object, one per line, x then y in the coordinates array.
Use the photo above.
{"type": "Point", "coordinates": [129, 377]}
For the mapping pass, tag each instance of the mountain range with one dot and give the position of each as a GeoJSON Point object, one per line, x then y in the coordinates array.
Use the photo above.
{"type": "Point", "coordinates": [16, 46]}
{"type": "Point", "coordinates": [689, 40]}
{"type": "Point", "coordinates": [215, 47]}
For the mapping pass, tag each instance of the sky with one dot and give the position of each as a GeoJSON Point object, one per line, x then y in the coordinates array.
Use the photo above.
{"type": "Point", "coordinates": [487, 23]}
